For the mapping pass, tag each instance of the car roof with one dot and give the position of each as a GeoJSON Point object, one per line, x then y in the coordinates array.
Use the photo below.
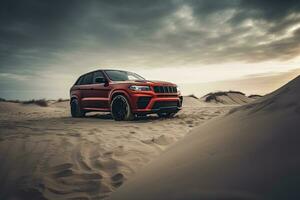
{"type": "Point", "coordinates": [103, 70]}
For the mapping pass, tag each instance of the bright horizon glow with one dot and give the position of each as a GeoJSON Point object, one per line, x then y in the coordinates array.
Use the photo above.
{"type": "Point", "coordinates": [191, 79]}
{"type": "Point", "coordinates": [213, 73]}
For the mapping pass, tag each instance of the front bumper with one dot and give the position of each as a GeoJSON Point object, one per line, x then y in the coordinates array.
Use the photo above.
{"type": "Point", "coordinates": [153, 103]}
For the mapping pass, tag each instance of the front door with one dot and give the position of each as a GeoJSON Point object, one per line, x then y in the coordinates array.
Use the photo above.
{"type": "Point", "coordinates": [99, 96]}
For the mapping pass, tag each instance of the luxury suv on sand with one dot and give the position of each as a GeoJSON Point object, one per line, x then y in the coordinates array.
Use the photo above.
{"type": "Point", "coordinates": [124, 94]}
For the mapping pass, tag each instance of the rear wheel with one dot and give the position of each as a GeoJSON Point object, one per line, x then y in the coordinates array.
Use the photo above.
{"type": "Point", "coordinates": [120, 108]}
{"type": "Point", "coordinates": [166, 115]}
{"type": "Point", "coordinates": [75, 109]}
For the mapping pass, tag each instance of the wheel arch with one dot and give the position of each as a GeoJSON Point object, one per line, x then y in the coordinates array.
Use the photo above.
{"type": "Point", "coordinates": [119, 92]}
{"type": "Point", "coordinates": [72, 98]}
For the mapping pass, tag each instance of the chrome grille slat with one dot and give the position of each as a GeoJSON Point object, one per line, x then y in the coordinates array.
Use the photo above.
{"type": "Point", "coordinates": [165, 89]}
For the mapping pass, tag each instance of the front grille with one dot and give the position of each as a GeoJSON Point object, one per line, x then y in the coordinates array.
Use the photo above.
{"type": "Point", "coordinates": [164, 104]}
{"type": "Point", "coordinates": [165, 89]}
{"type": "Point", "coordinates": [143, 102]}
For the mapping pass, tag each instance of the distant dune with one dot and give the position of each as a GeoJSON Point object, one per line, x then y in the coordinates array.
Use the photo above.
{"type": "Point", "coordinates": [230, 98]}
{"type": "Point", "coordinates": [251, 153]}
{"type": "Point", "coordinates": [192, 101]}
{"type": "Point", "coordinates": [227, 98]}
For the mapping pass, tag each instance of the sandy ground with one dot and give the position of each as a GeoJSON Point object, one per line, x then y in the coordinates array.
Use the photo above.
{"type": "Point", "coordinates": [46, 154]}
{"type": "Point", "coordinates": [250, 153]}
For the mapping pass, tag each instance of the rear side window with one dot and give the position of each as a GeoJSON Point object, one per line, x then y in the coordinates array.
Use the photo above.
{"type": "Point", "coordinates": [79, 81]}
{"type": "Point", "coordinates": [87, 79]}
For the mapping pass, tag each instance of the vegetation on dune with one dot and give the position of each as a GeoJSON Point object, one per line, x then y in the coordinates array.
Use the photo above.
{"type": "Point", "coordinates": [12, 101]}
{"type": "Point", "coordinates": [62, 100]}
{"type": "Point", "coordinates": [254, 96]}
{"type": "Point", "coordinates": [39, 102]}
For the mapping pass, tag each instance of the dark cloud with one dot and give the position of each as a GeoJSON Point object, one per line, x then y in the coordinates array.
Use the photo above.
{"type": "Point", "coordinates": [43, 34]}
{"type": "Point", "coordinates": [270, 10]}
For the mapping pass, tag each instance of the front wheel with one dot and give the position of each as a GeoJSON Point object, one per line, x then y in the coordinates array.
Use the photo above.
{"type": "Point", "coordinates": [75, 109]}
{"type": "Point", "coordinates": [166, 115]}
{"type": "Point", "coordinates": [120, 109]}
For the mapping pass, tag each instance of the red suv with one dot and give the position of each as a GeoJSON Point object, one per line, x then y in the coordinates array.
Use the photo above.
{"type": "Point", "coordinates": [124, 94]}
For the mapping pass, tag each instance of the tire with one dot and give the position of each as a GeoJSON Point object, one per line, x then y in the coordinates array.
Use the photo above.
{"type": "Point", "coordinates": [75, 109]}
{"type": "Point", "coordinates": [120, 109]}
{"type": "Point", "coordinates": [166, 115]}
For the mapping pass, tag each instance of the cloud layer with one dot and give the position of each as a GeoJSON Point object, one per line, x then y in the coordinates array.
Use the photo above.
{"type": "Point", "coordinates": [39, 33]}
{"type": "Point", "coordinates": [71, 36]}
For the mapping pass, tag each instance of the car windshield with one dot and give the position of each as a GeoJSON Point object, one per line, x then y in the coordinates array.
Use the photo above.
{"type": "Point", "coordinates": [115, 75]}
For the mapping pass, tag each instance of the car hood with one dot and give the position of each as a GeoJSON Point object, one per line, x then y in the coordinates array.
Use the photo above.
{"type": "Point", "coordinates": [152, 82]}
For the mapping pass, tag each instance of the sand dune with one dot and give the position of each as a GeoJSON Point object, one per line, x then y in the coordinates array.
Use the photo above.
{"type": "Point", "coordinates": [251, 153]}
{"type": "Point", "coordinates": [228, 98]}
{"type": "Point", "coordinates": [45, 154]}
{"type": "Point", "coordinates": [192, 101]}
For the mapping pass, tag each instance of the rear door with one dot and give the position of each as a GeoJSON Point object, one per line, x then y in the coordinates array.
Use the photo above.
{"type": "Point", "coordinates": [76, 90]}
{"type": "Point", "coordinates": [100, 91]}
{"type": "Point", "coordinates": [86, 88]}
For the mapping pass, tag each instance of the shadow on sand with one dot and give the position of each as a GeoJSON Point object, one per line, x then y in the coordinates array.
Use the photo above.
{"type": "Point", "coordinates": [137, 119]}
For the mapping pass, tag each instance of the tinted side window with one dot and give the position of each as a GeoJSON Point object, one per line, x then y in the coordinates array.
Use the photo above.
{"type": "Point", "coordinates": [88, 79]}
{"type": "Point", "coordinates": [79, 81]}
{"type": "Point", "coordinates": [98, 75]}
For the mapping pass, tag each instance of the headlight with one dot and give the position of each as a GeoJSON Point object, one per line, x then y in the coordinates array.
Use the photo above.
{"type": "Point", "coordinates": [139, 88]}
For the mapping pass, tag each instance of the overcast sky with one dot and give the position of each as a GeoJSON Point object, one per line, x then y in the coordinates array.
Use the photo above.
{"type": "Point", "coordinates": [45, 45]}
